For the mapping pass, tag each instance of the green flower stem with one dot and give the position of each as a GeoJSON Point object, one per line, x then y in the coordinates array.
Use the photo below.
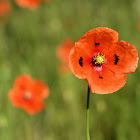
{"type": "Point", "coordinates": [87, 120]}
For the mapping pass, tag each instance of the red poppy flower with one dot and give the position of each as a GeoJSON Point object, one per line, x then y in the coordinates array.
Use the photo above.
{"type": "Point", "coordinates": [28, 94]}
{"type": "Point", "coordinates": [31, 4]}
{"type": "Point", "coordinates": [5, 8]}
{"type": "Point", "coordinates": [102, 60]}
{"type": "Point", "coordinates": [63, 53]}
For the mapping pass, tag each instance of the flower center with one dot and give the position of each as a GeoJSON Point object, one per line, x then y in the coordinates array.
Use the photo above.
{"type": "Point", "coordinates": [27, 95]}
{"type": "Point", "coordinates": [99, 59]}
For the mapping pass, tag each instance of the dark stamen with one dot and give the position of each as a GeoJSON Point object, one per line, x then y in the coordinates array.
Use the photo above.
{"type": "Point", "coordinates": [96, 44]}
{"type": "Point", "coordinates": [100, 77]}
{"type": "Point", "coordinates": [80, 61]}
{"type": "Point", "coordinates": [116, 59]}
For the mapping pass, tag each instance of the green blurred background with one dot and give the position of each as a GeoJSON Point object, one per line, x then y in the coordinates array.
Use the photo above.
{"type": "Point", "coordinates": [28, 44]}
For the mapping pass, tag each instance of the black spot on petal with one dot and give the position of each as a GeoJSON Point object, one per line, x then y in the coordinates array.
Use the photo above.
{"type": "Point", "coordinates": [80, 61]}
{"type": "Point", "coordinates": [116, 59]}
{"type": "Point", "coordinates": [100, 77]}
{"type": "Point", "coordinates": [96, 44]}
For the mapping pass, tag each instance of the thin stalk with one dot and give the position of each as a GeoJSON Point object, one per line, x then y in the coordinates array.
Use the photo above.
{"type": "Point", "coordinates": [87, 119]}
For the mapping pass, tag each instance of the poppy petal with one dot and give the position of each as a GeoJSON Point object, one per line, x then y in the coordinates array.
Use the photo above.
{"type": "Point", "coordinates": [5, 8]}
{"type": "Point", "coordinates": [105, 81]}
{"type": "Point", "coordinates": [15, 97]}
{"type": "Point", "coordinates": [40, 88]}
{"type": "Point", "coordinates": [63, 54]}
{"type": "Point", "coordinates": [64, 50]}
{"type": "Point", "coordinates": [100, 38]}
{"type": "Point", "coordinates": [23, 82]}
{"type": "Point", "coordinates": [79, 60]}
{"type": "Point", "coordinates": [28, 3]}
{"type": "Point", "coordinates": [34, 107]}
{"type": "Point", "coordinates": [122, 58]}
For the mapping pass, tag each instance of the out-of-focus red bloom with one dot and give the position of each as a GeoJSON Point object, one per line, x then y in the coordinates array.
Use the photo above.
{"type": "Point", "coordinates": [102, 60]}
{"type": "Point", "coordinates": [28, 94]}
{"type": "Point", "coordinates": [63, 54]}
{"type": "Point", "coordinates": [31, 4]}
{"type": "Point", "coordinates": [5, 8]}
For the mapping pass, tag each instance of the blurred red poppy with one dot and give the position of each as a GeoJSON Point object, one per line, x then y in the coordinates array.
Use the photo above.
{"type": "Point", "coordinates": [63, 54]}
{"type": "Point", "coordinates": [28, 94]}
{"type": "Point", "coordinates": [31, 4]}
{"type": "Point", "coordinates": [5, 8]}
{"type": "Point", "coordinates": [102, 60]}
